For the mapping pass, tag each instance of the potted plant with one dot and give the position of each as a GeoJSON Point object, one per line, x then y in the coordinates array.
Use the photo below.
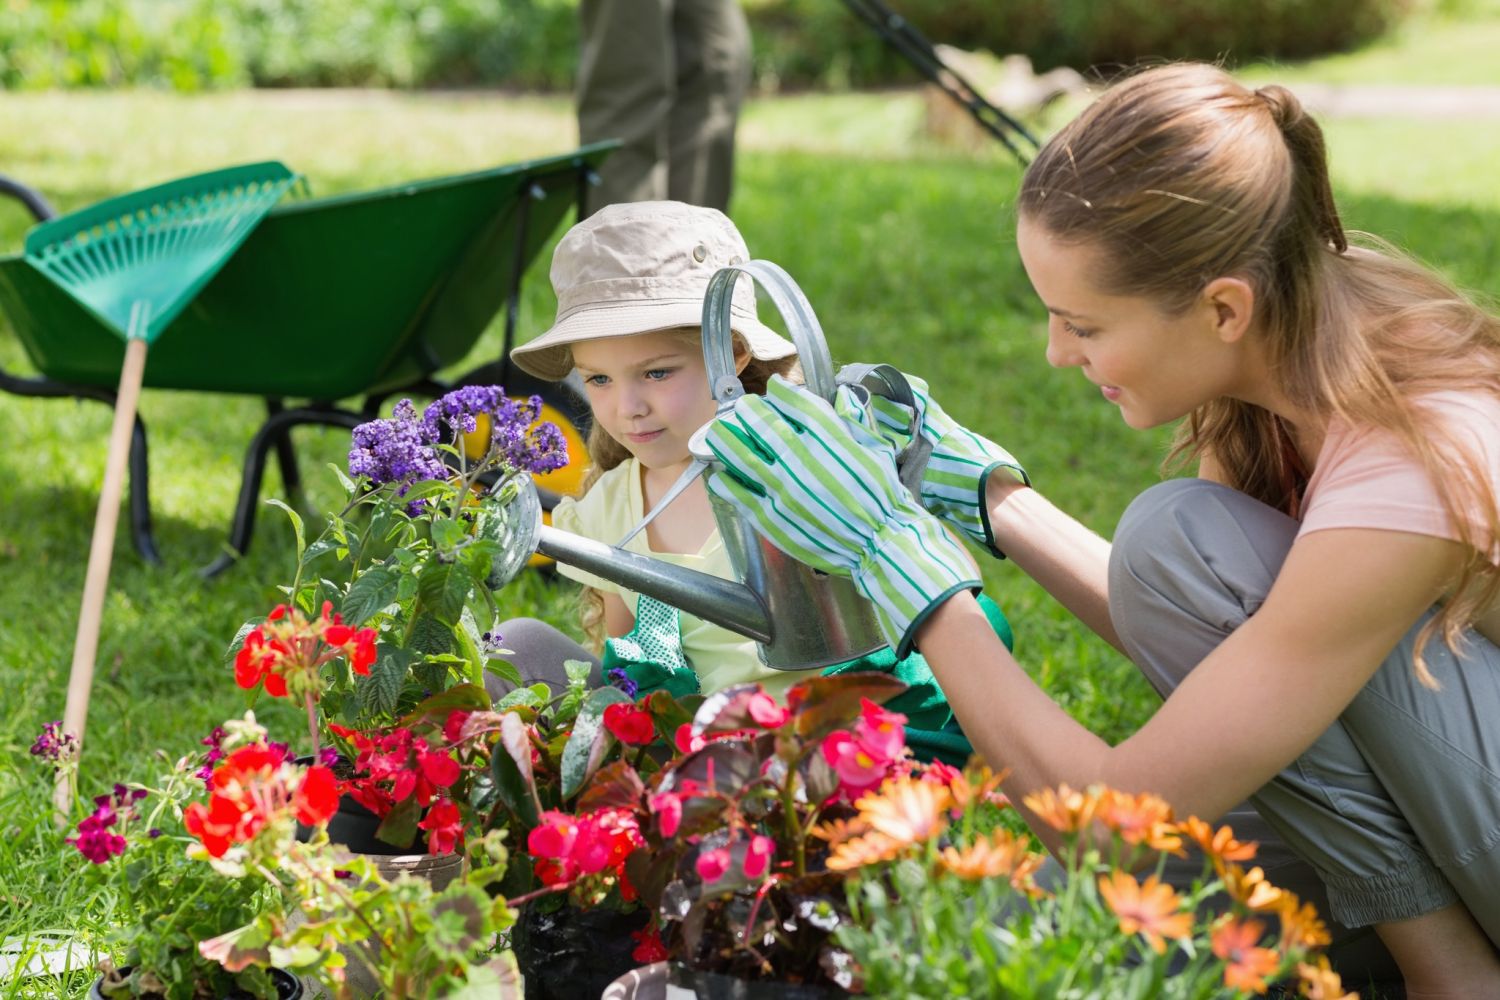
{"type": "Point", "coordinates": [389, 607]}
{"type": "Point", "coordinates": [165, 902]}
{"type": "Point", "coordinates": [945, 907]}
{"type": "Point", "coordinates": [356, 931]}
{"type": "Point", "coordinates": [722, 849]}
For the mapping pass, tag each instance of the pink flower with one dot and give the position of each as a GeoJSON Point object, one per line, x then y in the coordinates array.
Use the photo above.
{"type": "Point", "coordinates": [630, 724]}
{"type": "Point", "coordinates": [882, 733]}
{"type": "Point", "coordinates": [856, 767]}
{"type": "Point", "coordinates": [667, 807]}
{"type": "Point", "coordinates": [758, 855]}
{"type": "Point", "coordinates": [685, 741]}
{"type": "Point", "coordinates": [766, 713]}
{"type": "Point", "coordinates": [713, 864]}
{"type": "Point", "coordinates": [554, 836]}
{"type": "Point", "coordinates": [444, 826]}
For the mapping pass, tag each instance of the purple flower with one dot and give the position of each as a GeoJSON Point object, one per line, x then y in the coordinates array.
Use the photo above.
{"type": "Point", "coordinates": [396, 450]}
{"type": "Point", "coordinates": [328, 756]}
{"type": "Point", "coordinates": [518, 442]}
{"type": "Point", "coordinates": [95, 841]}
{"type": "Point", "coordinates": [620, 679]}
{"type": "Point", "coordinates": [55, 746]}
{"type": "Point", "coordinates": [215, 743]}
{"type": "Point", "coordinates": [460, 408]}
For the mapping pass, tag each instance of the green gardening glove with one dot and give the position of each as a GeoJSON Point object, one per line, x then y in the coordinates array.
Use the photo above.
{"type": "Point", "coordinates": [953, 484]}
{"type": "Point", "coordinates": [825, 492]}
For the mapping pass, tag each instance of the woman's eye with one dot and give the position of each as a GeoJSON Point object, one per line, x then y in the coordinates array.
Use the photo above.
{"type": "Point", "coordinates": [1077, 331]}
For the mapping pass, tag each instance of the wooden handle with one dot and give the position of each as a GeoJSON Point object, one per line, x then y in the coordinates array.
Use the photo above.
{"type": "Point", "coordinates": [101, 549]}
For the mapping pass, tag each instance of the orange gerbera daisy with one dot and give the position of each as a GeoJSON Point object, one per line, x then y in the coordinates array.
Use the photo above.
{"type": "Point", "coordinates": [1065, 810]}
{"type": "Point", "coordinates": [1319, 982]}
{"type": "Point", "coordinates": [1251, 888]}
{"type": "Point", "coordinates": [993, 857]}
{"type": "Point", "coordinates": [836, 831]}
{"type": "Point", "coordinates": [1219, 844]}
{"type": "Point", "coordinates": [1301, 927]}
{"type": "Point", "coordinates": [1247, 964]}
{"type": "Point", "coordinates": [1139, 819]}
{"type": "Point", "coordinates": [871, 849]}
{"type": "Point", "coordinates": [978, 784]}
{"type": "Point", "coordinates": [1150, 908]}
{"type": "Point", "coordinates": [907, 810]}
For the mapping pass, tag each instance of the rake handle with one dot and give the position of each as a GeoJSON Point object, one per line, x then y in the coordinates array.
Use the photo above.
{"type": "Point", "coordinates": [101, 550]}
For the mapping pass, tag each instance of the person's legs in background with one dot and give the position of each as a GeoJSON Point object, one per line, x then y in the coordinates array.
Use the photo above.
{"type": "Point", "coordinates": [713, 75]}
{"type": "Point", "coordinates": [626, 86]}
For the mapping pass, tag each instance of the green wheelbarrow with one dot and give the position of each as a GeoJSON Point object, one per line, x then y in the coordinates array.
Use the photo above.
{"type": "Point", "coordinates": [365, 294]}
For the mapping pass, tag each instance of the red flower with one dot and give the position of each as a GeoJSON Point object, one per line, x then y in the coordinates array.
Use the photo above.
{"type": "Point", "coordinates": [317, 798]}
{"type": "Point", "coordinates": [444, 826]}
{"type": "Point", "coordinates": [649, 947]}
{"type": "Point", "coordinates": [685, 741]}
{"type": "Point", "coordinates": [554, 836]}
{"type": "Point", "coordinates": [289, 646]}
{"type": "Point", "coordinates": [766, 713]}
{"type": "Point", "coordinates": [630, 724]}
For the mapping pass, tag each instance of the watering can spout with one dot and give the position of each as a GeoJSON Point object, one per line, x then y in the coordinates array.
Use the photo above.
{"type": "Point", "coordinates": [724, 603]}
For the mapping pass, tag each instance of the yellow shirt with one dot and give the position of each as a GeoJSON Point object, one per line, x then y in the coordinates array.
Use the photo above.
{"type": "Point", "coordinates": [612, 507]}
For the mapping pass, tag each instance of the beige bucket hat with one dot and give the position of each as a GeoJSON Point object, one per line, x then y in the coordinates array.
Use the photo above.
{"type": "Point", "coordinates": [640, 267]}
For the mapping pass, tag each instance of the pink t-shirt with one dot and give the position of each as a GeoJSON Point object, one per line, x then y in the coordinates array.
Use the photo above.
{"type": "Point", "coordinates": [1365, 479]}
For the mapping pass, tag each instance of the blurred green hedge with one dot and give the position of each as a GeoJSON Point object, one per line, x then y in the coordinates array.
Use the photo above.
{"type": "Point", "coordinates": [196, 44]}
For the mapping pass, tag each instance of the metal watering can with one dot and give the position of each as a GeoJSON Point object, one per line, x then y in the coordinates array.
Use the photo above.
{"type": "Point", "coordinates": [800, 617]}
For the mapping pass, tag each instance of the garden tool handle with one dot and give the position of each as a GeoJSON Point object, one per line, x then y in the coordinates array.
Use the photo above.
{"type": "Point", "coordinates": [889, 382]}
{"type": "Point", "coordinates": [801, 323]}
{"type": "Point", "coordinates": [101, 549]}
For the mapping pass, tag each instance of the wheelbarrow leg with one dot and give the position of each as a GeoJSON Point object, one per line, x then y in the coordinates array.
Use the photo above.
{"type": "Point", "coordinates": [286, 459]}
{"type": "Point", "coordinates": [272, 431]}
{"type": "Point", "coordinates": [140, 496]}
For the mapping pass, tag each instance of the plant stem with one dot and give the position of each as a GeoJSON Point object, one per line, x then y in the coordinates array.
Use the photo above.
{"type": "Point", "coordinates": [794, 828]}
{"type": "Point", "coordinates": [539, 893]}
{"type": "Point", "coordinates": [312, 723]}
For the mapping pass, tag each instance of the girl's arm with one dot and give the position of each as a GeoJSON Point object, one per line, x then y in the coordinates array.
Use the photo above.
{"type": "Point", "coordinates": [618, 620]}
{"type": "Point", "coordinates": [1342, 601]}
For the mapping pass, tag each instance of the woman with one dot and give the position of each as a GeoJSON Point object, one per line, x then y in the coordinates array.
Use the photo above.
{"type": "Point", "coordinates": [1320, 606]}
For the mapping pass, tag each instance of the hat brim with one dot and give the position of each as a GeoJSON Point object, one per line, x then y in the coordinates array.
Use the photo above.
{"type": "Point", "coordinates": [550, 356]}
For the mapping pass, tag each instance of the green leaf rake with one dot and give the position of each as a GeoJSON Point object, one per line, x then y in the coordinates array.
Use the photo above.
{"type": "Point", "coordinates": [135, 262]}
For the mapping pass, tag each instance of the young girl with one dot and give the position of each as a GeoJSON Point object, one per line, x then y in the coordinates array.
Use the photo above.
{"type": "Point", "coordinates": [1321, 608]}
{"type": "Point", "coordinates": [630, 282]}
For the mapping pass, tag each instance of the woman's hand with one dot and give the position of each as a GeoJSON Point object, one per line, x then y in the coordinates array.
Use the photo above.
{"type": "Point", "coordinates": [826, 492]}
{"type": "Point", "coordinates": [959, 467]}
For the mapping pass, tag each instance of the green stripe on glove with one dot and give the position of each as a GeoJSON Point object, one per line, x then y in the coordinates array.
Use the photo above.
{"type": "Point", "coordinates": [825, 492]}
{"type": "Point", "coordinates": [953, 484]}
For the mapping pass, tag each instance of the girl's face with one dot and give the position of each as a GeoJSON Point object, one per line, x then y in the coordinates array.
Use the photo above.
{"type": "Point", "coordinates": [649, 391]}
{"type": "Point", "coordinates": [1155, 366]}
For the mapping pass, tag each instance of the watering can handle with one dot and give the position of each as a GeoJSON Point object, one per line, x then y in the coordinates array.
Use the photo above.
{"type": "Point", "coordinates": [801, 323]}
{"type": "Point", "coordinates": [888, 381]}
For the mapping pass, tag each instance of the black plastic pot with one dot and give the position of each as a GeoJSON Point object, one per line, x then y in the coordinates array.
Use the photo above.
{"type": "Point", "coordinates": [288, 987]}
{"type": "Point", "coordinates": [650, 983]}
{"type": "Point", "coordinates": [569, 953]}
{"type": "Point", "coordinates": [353, 826]}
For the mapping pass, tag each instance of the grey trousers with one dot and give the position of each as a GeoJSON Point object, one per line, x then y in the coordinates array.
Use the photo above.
{"type": "Point", "coordinates": [667, 77]}
{"type": "Point", "coordinates": [538, 652]}
{"type": "Point", "coordinates": [1395, 809]}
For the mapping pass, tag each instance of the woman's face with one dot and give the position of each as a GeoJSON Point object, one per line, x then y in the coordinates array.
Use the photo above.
{"type": "Point", "coordinates": [1155, 366]}
{"type": "Point", "coordinates": [649, 391]}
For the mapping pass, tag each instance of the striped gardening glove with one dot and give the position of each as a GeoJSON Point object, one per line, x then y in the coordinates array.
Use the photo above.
{"type": "Point", "coordinates": [825, 492]}
{"type": "Point", "coordinates": [953, 484]}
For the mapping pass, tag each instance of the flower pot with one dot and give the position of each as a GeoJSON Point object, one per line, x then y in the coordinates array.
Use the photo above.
{"type": "Point", "coordinates": [353, 826]}
{"type": "Point", "coordinates": [674, 981]}
{"type": "Point", "coordinates": [568, 953]}
{"type": "Point", "coordinates": [288, 987]}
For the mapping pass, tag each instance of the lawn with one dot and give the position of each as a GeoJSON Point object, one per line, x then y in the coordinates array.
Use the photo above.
{"type": "Point", "coordinates": [906, 251]}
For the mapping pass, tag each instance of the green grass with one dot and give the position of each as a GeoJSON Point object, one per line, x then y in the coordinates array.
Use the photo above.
{"type": "Point", "coordinates": [907, 252]}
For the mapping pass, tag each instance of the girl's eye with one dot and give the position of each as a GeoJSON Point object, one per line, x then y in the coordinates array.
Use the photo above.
{"type": "Point", "coordinates": [596, 380]}
{"type": "Point", "coordinates": [657, 374]}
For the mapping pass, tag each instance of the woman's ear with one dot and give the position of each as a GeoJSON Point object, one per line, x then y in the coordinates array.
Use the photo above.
{"type": "Point", "coordinates": [1232, 301]}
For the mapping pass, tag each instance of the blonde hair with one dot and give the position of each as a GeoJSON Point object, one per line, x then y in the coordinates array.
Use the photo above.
{"type": "Point", "coordinates": [1181, 175]}
{"type": "Point", "coordinates": [606, 453]}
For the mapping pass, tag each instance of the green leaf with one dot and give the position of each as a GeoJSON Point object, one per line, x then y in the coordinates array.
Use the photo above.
{"type": "Point", "coordinates": [238, 641]}
{"type": "Point", "coordinates": [534, 696]}
{"type": "Point", "coordinates": [503, 669]}
{"type": "Point", "coordinates": [510, 768]}
{"type": "Point", "coordinates": [379, 692]}
{"type": "Point", "coordinates": [431, 636]}
{"type": "Point", "coordinates": [460, 697]}
{"type": "Point", "coordinates": [443, 588]}
{"type": "Point", "coordinates": [344, 480]}
{"type": "Point", "coordinates": [399, 828]}
{"type": "Point", "coordinates": [296, 526]}
{"type": "Point", "coordinates": [458, 922]}
{"type": "Point", "coordinates": [578, 671]}
{"type": "Point", "coordinates": [587, 746]}
{"type": "Point", "coordinates": [371, 592]}
{"type": "Point", "coordinates": [321, 547]}
{"type": "Point", "coordinates": [447, 535]}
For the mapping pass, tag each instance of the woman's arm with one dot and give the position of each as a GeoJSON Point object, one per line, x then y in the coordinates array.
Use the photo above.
{"type": "Point", "coordinates": [1066, 558]}
{"type": "Point", "coordinates": [1342, 601]}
